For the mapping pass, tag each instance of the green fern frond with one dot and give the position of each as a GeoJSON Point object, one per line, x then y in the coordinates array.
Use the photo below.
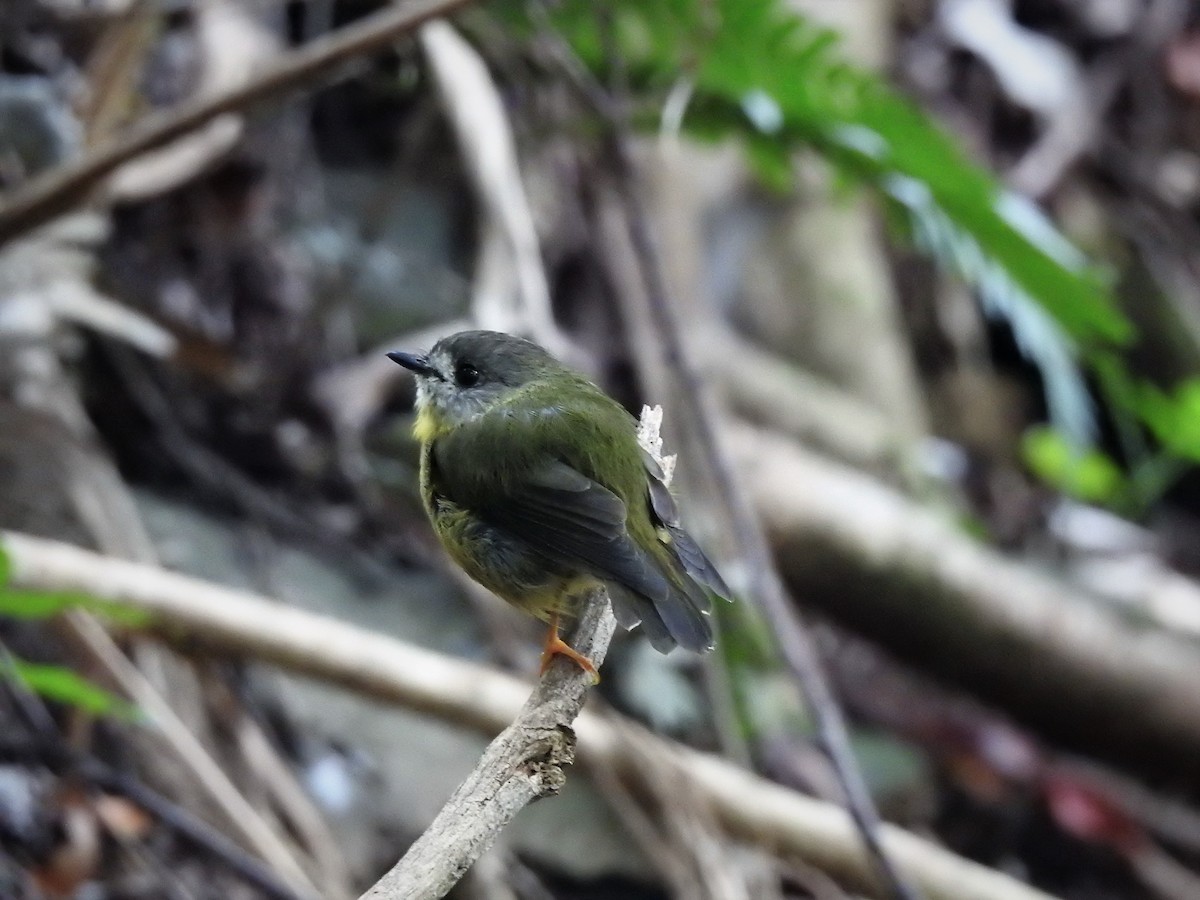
{"type": "Point", "coordinates": [760, 72]}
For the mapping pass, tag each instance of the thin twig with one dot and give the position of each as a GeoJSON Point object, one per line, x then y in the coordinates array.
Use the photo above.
{"type": "Point", "coordinates": [298, 809]}
{"type": "Point", "coordinates": [798, 650]}
{"type": "Point", "coordinates": [58, 190]}
{"type": "Point", "coordinates": [699, 409]}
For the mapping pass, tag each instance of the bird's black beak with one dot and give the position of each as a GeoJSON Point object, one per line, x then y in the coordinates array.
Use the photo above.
{"type": "Point", "coordinates": [415, 362]}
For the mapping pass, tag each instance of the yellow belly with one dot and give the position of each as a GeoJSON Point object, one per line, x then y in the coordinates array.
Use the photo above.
{"type": "Point", "coordinates": [506, 566]}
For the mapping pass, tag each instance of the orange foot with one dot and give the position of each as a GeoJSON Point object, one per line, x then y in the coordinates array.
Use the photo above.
{"type": "Point", "coordinates": [556, 646]}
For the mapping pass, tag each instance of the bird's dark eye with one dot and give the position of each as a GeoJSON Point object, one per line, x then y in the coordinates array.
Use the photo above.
{"type": "Point", "coordinates": [466, 375]}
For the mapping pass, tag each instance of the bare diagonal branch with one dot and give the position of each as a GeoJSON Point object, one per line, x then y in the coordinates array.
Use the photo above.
{"type": "Point", "coordinates": [523, 763]}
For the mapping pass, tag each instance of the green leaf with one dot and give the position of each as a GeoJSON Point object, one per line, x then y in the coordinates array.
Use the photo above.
{"type": "Point", "coordinates": [32, 605]}
{"type": "Point", "coordinates": [64, 686]}
{"type": "Point", "coordinates": [1087, 475]}
{"type": "Point", "coordinates": [732, 50]}
{"type": "Point", "coordinates": [1174, 419]}
{"type": "Point", "coordinates": [5, 566]}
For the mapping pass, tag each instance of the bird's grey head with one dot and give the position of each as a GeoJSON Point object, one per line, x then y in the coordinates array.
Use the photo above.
{"type": "Point", "coordinates": [467, 373]}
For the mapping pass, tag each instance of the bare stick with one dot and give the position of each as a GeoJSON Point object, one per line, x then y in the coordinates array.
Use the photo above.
{"type": "Point", "coordinates": [523, 763]}
{"type": "Point", "coordinates": [749, 807]}
{"type": "Point", "coordinates": [60, 189]}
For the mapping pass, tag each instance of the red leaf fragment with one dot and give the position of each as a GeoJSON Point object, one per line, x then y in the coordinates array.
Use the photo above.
{"type": "Point", "coordinates": [1084, 811]}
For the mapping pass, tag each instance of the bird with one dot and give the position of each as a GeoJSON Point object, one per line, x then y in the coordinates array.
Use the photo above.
{"type": "Point", "coordinates": [535, 482]}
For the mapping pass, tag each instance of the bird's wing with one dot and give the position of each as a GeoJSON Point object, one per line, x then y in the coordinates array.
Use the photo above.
{"type": "Point", "coordinates": [533, 473]}
{"type": "Point", "coordinates": [573, 520]}
{"type": "Point", "coordinates": [529, 490]}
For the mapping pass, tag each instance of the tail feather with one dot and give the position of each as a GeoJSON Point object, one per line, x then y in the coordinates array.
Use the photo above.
{"type": "Point", "coordinates": [696, 564]}
{"type": "Point", "coordinates": [632, 609]}
{"type": "Point", "coordinates": [684, 617]}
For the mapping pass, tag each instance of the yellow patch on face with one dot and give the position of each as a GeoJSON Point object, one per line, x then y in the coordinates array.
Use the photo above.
{"type": "Point", "coordinates": [426, 427]}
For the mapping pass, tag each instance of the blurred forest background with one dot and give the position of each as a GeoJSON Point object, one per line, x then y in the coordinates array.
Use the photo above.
{"type": "Point", "coordinates": [917, 283]}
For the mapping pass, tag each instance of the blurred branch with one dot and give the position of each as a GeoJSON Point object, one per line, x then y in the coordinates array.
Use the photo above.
{"type": "Point", "coordinates": [511, 292]}
{"type": "Point", "coordinates": [1072, 132]}
{"type": "Point", "coordinates": [76, 300]}
{"type": "Point", "coordinates": [909, 578]}
{"type": "Point", "coordinates": [769, 390]}
{"type": "Point", "coordinates": [52, 753]}
{"type": "Point", "coordinates": [175, 735]}
{"type": "Point", "coordinates": [1165, 876]}
{"type": "Point", "coordinates": [301, 816]}
{"type": "Point", "coordinates": [698, 408]}
{"type": "Point", "coordinates": [748, 806]}
{"type": "Point", "coordinates": [58, 190]}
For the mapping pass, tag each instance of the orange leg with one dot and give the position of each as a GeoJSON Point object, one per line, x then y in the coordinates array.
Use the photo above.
{"type": "Point", "coordinates": [556, 646]}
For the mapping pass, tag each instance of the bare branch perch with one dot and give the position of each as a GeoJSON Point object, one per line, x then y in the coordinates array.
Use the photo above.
{"type": "Point", "coordinates": [523, 763]}
{"type": "Point", "coordinates": [751, 808]}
